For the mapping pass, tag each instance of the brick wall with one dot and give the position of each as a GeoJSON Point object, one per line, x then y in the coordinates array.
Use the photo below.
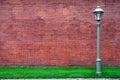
{"type": "Point", "coordinates": [57, 33]}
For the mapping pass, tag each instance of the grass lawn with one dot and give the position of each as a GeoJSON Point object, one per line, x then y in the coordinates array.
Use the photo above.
{"type": "Point", "coordinates": [56, 72]}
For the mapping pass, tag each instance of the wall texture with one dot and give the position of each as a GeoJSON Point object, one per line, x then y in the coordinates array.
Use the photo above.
{"type": "Point", "coordinates": [57, 33]}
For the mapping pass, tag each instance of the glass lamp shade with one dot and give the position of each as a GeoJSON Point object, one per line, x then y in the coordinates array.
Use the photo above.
{"type": "Point", "coordinates": [98, 13]}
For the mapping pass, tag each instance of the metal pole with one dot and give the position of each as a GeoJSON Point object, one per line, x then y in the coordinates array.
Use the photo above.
{"type": "Point", "coordinates": [98, 60]}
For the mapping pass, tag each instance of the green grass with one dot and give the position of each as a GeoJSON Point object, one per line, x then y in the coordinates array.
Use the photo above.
{"type": "Point", "coordinates": [56, 72]}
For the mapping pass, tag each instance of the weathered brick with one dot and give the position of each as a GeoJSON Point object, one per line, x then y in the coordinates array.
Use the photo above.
{"type": "Point", "coordinates": [57, 33]}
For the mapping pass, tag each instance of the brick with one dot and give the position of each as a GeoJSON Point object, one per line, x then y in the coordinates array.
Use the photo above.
{"type": "Point", "coordinates": [57, 33]}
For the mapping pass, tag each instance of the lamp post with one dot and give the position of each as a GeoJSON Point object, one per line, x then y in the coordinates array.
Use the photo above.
{"type": "Point", "coordinates": [98, 16]}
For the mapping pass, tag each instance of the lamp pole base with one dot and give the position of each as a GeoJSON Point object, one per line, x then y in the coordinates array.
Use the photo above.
{"type": "Point", "coordinates": [98, 67]}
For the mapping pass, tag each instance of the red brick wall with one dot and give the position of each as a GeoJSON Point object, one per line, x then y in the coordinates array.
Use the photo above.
{"type": "Point", "coordinates": [57, 33]}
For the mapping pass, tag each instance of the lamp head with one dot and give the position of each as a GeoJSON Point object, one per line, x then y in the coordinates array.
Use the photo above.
{"type": "Point", "coordinates": [98, 13]}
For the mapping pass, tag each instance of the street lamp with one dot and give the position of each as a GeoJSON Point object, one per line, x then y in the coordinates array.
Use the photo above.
{"type": "Point", "coordinates": [98, 16]}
